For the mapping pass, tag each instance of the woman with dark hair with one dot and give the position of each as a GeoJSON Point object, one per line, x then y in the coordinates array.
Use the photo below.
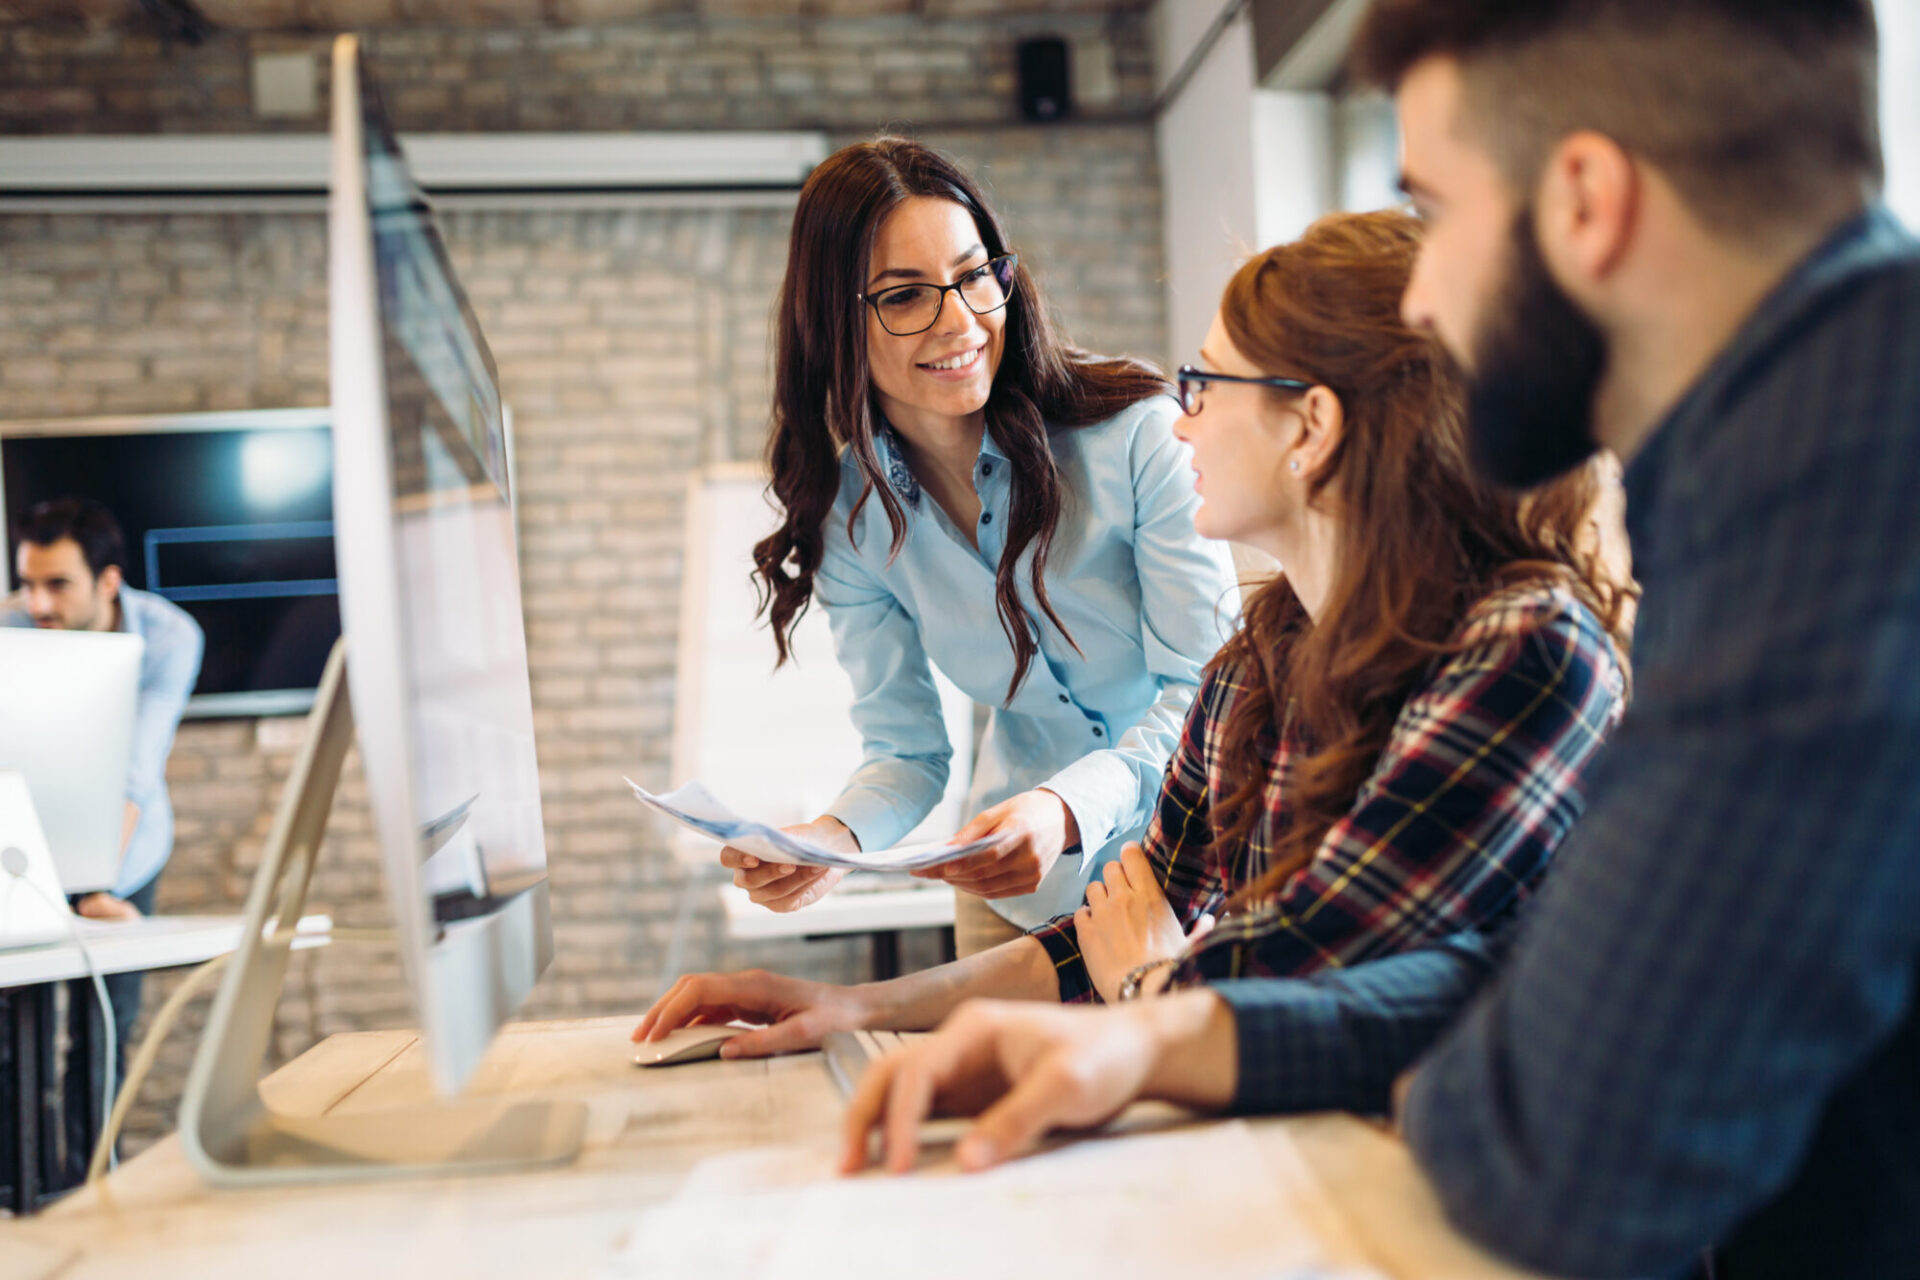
{"type": "Point", "coordinates": [1390, 748]}
{"type": "Point", "coordinates": [962, 489]}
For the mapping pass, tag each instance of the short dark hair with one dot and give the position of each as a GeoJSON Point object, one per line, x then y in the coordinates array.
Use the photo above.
{"type": "Point", "coordinates": [87, 522]}
{"type": "Point", "coordinates": [1762, 113]}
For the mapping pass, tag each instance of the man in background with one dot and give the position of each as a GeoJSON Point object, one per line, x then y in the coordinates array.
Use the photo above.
{"type": "Point", "coordinates": [70, 563]}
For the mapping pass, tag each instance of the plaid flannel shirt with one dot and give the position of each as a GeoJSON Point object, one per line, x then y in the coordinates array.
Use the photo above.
{"type": "Point", "coordinates": [1476, 786]}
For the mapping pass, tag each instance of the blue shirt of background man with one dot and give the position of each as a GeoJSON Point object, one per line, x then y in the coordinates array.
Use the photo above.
{"type": "Point", "coordinates": [1147, 600]}
{"type": "Point", "coordinates": [168, 670]}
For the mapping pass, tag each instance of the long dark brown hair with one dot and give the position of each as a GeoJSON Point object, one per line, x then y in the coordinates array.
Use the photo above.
{"type": "Point", "coordinates": [823, 399]}
{"type": "Point", "coordinates": [1422, 536]}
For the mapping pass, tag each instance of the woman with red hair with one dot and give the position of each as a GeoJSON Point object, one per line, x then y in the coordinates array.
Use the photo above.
{"type": "Point", "coordinates": [1390, 748]}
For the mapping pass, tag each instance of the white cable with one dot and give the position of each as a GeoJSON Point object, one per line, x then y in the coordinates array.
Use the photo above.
{"type": "Point", "coordinates": [163, 1021]}
{"type": "Point", "coordinates": [143, 1063]}
{"type": "Point", "coordinates": [17, 868]}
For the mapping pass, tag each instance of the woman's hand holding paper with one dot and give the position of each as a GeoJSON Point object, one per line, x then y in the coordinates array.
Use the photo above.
{"type": "Point", "coordinates": [1032, 829]}
{"type": "Point", "coordinates": [782, 886]}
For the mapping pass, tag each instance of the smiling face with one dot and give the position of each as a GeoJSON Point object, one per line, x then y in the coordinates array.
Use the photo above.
{"type": "Point", "coordinates": [1241, 440]}
{"type": "Point", "coordinates": [929, 380]}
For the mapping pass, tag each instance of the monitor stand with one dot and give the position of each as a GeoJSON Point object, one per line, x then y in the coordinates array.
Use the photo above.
{"type": "Point", "coordinates": [230, 1134]}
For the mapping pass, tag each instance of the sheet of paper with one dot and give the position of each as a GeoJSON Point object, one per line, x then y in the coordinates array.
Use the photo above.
{"type": "Point", "coordinates": [1201, 1201]}
{"type": "Point", "coordinates": [698, 809]}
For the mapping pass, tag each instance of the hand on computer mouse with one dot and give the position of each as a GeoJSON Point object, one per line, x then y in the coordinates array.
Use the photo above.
{"type": "Point", "coordinates": [104, 906]}
{"type": "Point", "coordinates": [800, 1012]}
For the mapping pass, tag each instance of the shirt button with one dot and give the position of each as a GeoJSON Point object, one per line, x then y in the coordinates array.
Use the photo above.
{"type": "Point", "coordinates": [1063, 697]}
{"type": "Point", "coordinates": [1096, 731]}
{"type": "Point", "coordinates": [986, 468]}
{"type": "Point", "coordinates": [986, 517]}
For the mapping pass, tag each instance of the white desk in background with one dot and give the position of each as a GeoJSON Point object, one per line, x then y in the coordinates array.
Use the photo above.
{"type": "Point", "coordinates": [881, 913]}
{"type": "Point", "coordinates": [123, 946]}
{"type": "Point", "coordinates": [1352, 1187]}
{"type": "Point", "coordinates": [27, 977]}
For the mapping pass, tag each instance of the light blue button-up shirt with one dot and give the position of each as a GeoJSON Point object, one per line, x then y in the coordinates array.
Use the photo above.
{"type": "Point", "coordinates": [168, 670]}
{"type": "Point", "coordinates": [1147, 599]}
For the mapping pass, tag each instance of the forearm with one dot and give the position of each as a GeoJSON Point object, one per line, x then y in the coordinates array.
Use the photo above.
{"type": "Point", "coordinates": [1016, 970]}
{"type": "Point", "coordinates": [1197, 1054]}
{"type": "Point", "coordinates": [1336, 1041]}
{"type": "Point", "coordinates": [887, 798]}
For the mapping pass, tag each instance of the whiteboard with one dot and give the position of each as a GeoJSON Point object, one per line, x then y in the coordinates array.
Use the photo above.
{"type": "Point", "coordinates": [777, 746]}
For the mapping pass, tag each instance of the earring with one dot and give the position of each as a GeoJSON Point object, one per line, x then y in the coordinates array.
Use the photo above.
{"type": "Point", "coordinates": [1294, 466]}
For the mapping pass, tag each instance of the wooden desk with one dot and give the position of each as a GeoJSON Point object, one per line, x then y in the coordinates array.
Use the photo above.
{"type": "Point", "coordinates": [647, 1130]}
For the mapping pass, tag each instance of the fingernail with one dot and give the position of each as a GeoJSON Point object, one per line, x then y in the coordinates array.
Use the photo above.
{"type": "Point", "coordinates": [976, 1152]}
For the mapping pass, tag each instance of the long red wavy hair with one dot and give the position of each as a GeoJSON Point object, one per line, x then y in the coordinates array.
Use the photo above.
{"type": "Point", "coordinates": [1422, 536]}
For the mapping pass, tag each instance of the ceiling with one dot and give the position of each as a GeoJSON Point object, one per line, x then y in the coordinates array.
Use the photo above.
{"type": "Point", "coordinates": [191, 17]}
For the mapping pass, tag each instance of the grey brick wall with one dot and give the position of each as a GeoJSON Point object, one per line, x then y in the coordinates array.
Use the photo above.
{"type": "Point", "coordinates": [671, 72]}
{"type": "Point", "coordinates": [632, 345]}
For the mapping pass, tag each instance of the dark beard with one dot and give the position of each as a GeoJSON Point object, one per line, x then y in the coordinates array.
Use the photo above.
{"type": "Point", "coordinates": [1537, 362]}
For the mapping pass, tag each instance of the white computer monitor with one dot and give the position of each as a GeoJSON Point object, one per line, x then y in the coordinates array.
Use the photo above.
{"type": "Point", "coordinates": [430, 677]}
{"type": "Point", "coordinates": [430, 600]}
{"type": "Point", "coordinates": [67, 702]}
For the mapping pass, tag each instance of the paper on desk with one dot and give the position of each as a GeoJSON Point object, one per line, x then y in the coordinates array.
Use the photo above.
{"type": "Point", "coordinates": [698, 809]}
{"type": "Point", "coordinates": [1199, 1201]}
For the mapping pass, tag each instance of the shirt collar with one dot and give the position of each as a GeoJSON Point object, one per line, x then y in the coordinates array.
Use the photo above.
{"type": "Point", "coordinates": [1864, 241]}
{"type": "Point", "coordinates": [893, 461]}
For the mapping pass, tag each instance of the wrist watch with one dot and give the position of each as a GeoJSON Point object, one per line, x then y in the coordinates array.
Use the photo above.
{"type": "Point", "coordinates": [1130, 985]}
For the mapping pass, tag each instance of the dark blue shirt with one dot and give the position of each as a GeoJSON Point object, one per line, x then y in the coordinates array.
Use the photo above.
{"type": "Point", "coordinates": [1705, 1034]}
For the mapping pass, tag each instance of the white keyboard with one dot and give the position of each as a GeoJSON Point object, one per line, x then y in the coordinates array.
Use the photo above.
{"type": "Point", "coordinates": [849, 1053]}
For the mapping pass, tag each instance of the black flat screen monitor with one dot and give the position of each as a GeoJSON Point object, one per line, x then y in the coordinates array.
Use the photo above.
{"type": "Point", "coordinates": [228, 515]}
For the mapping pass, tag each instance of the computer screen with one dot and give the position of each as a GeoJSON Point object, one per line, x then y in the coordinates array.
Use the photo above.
{"type": "Point", "coordinates": [228, 515]}
{"type": "Point", "coordinates": [430, 595]}
{"type": "Point", "coordinates": [67, 703]}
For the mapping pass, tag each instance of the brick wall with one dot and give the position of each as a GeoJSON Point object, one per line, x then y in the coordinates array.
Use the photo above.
{"type": "Point", "coordinates": [672, 72]}
{"type": "Point", "coordinates": [632, 346]}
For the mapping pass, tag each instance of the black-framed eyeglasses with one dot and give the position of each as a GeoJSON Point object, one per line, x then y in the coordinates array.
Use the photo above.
{"type": "Point", "coordinates": [907, 309]}
{"type": "Point", "coordinates": [1191, 380]}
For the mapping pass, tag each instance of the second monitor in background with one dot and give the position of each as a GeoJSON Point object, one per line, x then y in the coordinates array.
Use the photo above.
{"type": "Point", "coordinates": [67, 701]}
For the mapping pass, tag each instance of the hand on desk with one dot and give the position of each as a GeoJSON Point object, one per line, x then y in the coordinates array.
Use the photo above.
{"type": "Point", "coordinates": [1127, 922]}
{"type": "Point", "coordinates": [1026, 1068]}
{"type": "Point", "coordinates": [104, 906]}
{"type": "Point", "coordinates": [782, 886]}
{"type": "Point", "coordinates": [1033, 828]}
{"type": "Point", "coordinates": [800, 1012]}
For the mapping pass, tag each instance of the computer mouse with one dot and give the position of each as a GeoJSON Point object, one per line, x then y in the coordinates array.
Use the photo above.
{"type": "Point", "coordinates": [688, 1044]}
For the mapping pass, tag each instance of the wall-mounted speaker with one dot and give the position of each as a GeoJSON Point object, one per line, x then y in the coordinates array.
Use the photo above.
{"type": "Point", "coordinates": [1046, 90]}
